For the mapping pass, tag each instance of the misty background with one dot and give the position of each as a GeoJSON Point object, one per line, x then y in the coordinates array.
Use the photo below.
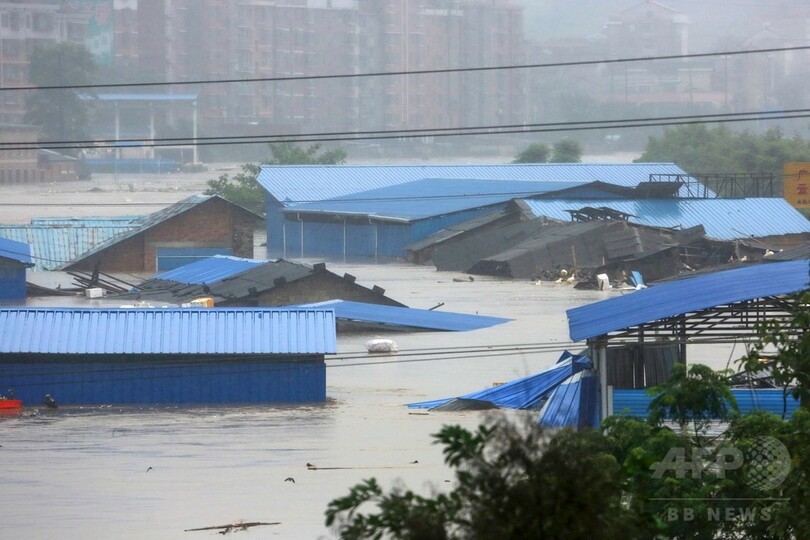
{"type": "Point", "coordinates": [184, 41]}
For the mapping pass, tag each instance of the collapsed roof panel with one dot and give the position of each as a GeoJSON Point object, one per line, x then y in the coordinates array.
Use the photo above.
{"type": "Point", "coordinates": [723, 219]}
{"type": "Point", "coordinates": [406, 317]}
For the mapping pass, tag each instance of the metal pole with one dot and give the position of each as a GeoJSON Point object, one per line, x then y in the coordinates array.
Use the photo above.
{"type": "Point", "coordinates": [194, 132]}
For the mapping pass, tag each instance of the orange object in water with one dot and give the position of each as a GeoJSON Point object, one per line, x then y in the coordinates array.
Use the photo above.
{"type": "Point", "coordinates": [10, 403]}
{"type": "Point", "coordinates": [205, 301]}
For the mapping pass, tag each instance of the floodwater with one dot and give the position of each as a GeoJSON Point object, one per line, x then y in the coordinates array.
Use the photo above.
{"type": "Point", "coordinates": [135, 473]}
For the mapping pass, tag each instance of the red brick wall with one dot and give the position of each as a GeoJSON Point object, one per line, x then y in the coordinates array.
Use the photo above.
{"type": "Point", "coordinates": [126, 256]}
{"type": "Point", "coordinates": [214, 223]}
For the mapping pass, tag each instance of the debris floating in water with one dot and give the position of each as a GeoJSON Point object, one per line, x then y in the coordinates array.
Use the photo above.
{"type": "Point", "coordinates": [382, 345]}
{"type": "Point", "coordinates": [233, 527]}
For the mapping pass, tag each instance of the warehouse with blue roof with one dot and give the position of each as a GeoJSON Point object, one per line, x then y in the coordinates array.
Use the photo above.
{"type": "Point", "coordinates": [290, 187]}
{"type": "Point", "coordinates": [634, 339]}
{"type": "Point", "coordinates": [381, 223]}
{"type": "Point", "coordinates": [166, 356]}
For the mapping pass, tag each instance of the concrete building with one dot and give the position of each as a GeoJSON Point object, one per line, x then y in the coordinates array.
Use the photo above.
{"type": "Point", "coordinates": [19, 165]}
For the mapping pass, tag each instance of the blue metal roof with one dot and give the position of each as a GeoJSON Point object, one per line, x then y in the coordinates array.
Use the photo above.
{"type": "Point", "coordinates": [167, 331]}
{"type": "Point", "coordinates": [525, 393]}
{"type": "Point", "coordinates": [636, 402]}
{"type": "Point", "coordinates": [16, 251]}
{"type": "Point", "coordinates": [53, 245]}
{"type": "Point", "coordinates": [94, 221]}
{"type": "Point", "coordinates": [575, 403]}
{"type": "Point", "coordinates": [209, 270]}
{"type": "Point", "coordinates": [144, 97]}
{"type": "Point", "coordinates": [402, 316]}
{"type": "Point", "coordinates": [302, 183]}
{"type": "Point", "coordinates": [686, 296]}
{"type": "Point", "coordinates": [723, 219]}
{"type": "Point", "coordinates": [429, 197]}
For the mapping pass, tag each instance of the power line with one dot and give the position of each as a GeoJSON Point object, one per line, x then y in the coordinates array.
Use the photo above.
{"type": "Point", "coordinates": [444, 132]}
{"type": "Point", "coordinates": [420, 355]}
{"type": "Point", "coordinates": [415, 132]}
{"type": "Point", "coordinates": [408, 73]}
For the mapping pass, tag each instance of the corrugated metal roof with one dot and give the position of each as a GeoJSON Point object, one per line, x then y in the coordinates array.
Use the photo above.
{"type": "Point", "coordinates": [791, 254]}
{"type": "Point", "coordinates": [426, 198]}
{"type": "Point", "coordinates": [16, 251]}
{"type": "Point", "coordinates": [723, 219]}
{"type": "Point", "coordinates": [167, 331]}
{"type": "Point", "coordinates": [455, 230]}
{"type": "Point", "coordinates": [256, 279]}
{"type": "Point", "coordinates": [686, 296]}
{"type": "Point", "coordinates": [95, 221]}
{"type": "Point", "coordinates": [209, 270]}
{"type": "Point", "coordinates": [156, 218]}
{"type": "Point", "coordinates": [525, 393]}
{"type": "Point", "coordinates": [54, 245]}
{"type": "Point", "coordinates": [262, 278]}
{"type": "Point", "coordinates": [408, 317]}
{"type": "Point", "coordinates": [144, 97]}
{"type": "Point", "coordinates": [636, 402]}
{"type": "Point", "coordinates": [300, 183]}
{"type": "Point", "coordinates": [574, 403]}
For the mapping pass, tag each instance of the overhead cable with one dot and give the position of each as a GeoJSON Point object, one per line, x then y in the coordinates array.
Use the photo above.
{"type": "Point", "coordinates": [409, 72]}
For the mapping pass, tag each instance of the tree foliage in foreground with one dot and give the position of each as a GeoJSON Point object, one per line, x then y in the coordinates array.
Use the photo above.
{"type": "Point", "coordinates": [244, 189]}
{"type": "Point", "coordinates": [784, 350]}
{"type": "Point", "coordinates": [510, 483]}
{"type": "Point", "coordinates": [634, 478]}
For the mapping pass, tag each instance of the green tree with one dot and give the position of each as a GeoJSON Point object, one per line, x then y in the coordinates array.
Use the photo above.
{"type": "Point", "coordinates": [244, 188]}
{"type": "Point", "coordinates": [292, 154]}
{"type": "Point", "coordinates": [566, 151]}
{"type": "Point", "coordinates": [659, 468]}
{"type": "Point", "coordinates": [60, 114]}
{"type": "Point", "coordinates": [699, 149]}
{"type": "Point", "coordinates": [511, 482]}
{"type": "Point", "coordinates": [534, 153]}
{"type": "Point", "coordinates": [695, 396]}
{"type": "Point", "coordinates": [784, 350]}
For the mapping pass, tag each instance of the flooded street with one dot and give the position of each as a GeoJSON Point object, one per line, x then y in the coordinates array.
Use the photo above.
{"type": "Point", "coordinates": [152, 473]}
{"type": "Point", "coordinates": [135, 473]}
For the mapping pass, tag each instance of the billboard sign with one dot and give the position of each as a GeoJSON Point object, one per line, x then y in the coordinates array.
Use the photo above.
{"type": "Point", "coordinates": [796, 177]}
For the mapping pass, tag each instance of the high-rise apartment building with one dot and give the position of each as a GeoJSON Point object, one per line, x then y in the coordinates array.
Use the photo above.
{"type": "Point", "coordinates": [341, 41]}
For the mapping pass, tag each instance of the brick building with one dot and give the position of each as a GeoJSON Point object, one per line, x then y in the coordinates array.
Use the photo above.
{"type": "Point", "coordinates": [196, 227]}
{"type": "Point", "coordinates": [256, 39]}
{"type": "Point", "coordinates": [26, 165]}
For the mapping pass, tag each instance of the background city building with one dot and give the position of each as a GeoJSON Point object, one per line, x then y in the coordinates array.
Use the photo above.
{"type": "Point", "coordinates": [187, 41]}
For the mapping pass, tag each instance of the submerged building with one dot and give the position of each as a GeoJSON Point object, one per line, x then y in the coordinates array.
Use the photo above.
{"type": "Point", "coordinates": [333, 198]}
{"type": "Point", "coordinates": [165, 356]}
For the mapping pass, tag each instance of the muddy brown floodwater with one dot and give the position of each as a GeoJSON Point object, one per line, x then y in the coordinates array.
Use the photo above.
{"type": "Point", "coordinates": [135, 473]}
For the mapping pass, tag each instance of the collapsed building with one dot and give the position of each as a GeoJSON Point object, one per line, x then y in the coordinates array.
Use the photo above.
{"type": "Point", "coordinates": [538, 238]}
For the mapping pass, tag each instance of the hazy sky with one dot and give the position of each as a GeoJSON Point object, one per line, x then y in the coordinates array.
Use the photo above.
{"type": "Point", "coordinates": [711, 21]}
